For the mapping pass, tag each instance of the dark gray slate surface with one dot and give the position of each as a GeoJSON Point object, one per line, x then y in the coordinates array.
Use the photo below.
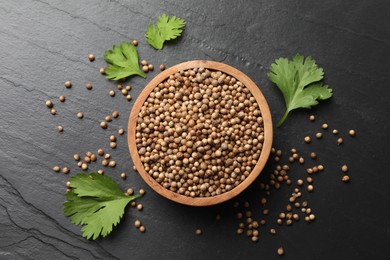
{"type": "Point", "coordinates": [44, 43]}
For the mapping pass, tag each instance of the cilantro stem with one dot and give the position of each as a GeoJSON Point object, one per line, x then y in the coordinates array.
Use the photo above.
{"type": "Point", "coordinates": [283, 118]}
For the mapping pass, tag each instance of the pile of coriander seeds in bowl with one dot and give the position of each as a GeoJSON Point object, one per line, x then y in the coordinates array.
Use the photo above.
{"type": "Point", "coordinates": [200, 133]}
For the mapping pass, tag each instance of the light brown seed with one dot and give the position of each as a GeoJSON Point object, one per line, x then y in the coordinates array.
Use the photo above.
{"type": "Point", "coordinates": [56, 168]}
{"type": "Point", "coordinates": [68, 184]}
{"type": "Point", "coordinates": [325, 126]}
{"type": "Point", "coordinates": [320, 167]}
{"type": "Point", "coordinates": [112, 164]}
{"type": "Point", "coordinates": [309, 180]}
{"type": "Point", "coordinates": [65, 170]}
{"type": "Point", "coordinates": [112, 93]}
{"type": "Point", "coordinates": [301, 160]}
{"type": "Point", "coordinates": [112, 138]}
{"type": "Point", "coordinates": [121, 131]}
{"type": "Point", "coordinates": [76, 157]}
{"type": "Point", "coordinates": [255, 238]}
{"type": "Point", "coordinates": [115, 114]}
{"type": "Point", "coordinates": [150, 67]}
{"type": "Point", "coordinates": [239, 231]}
{"type": "Point", "coordinates": [112, 145]}
{"type": "Point", "coordinates": [79, 164]}
{"type": "Point", "coordinates": [91, 57]}
{"type": "Point", "coordinates": [59, 128]}
{"type": "Point", "coordinates": [128, 97]}
{"type": "Point", "coordinates": [139, 207]}
{"type": "Point", "coordinates": [307, 139]}
{"type": "Point", "coordinates": [198, 232]}
{"type": "Point", "coordinates": [88, 86]}
{"type": "Point", "coordinates": [68, 84]}
{"type": "Point", "coordinates": [272, 231]}
{"type": "Point", "coordinates": [310, 188]}
{"type": "Point", "coordinates": [80, 115]}
{"type": "Point", "coordinates": [318, 135]}
{"type": "Point", "coordinates": [104, 162]}
{"type": "Point", "coordinates": [137, 223]}
{"type": "Point", "coordinates": [123, 176]}
{"type": "Point", "coordinates": [335, 131]}
{"type": "Point", "coordinates": [145, 68]}
{"type": "Point", "coordinates": [107, 156]}
{"type": "Point", "coordinates": [344, 168]}
{"type": "Point", "coordinates": [312, 118]}
{"type": "Point", "coordinates": [93, 158]}
{"type": "Point", "coordinates": [124, 92]}
{"type": "Point", "coordinates": [49, 104]}
{"type": "Point", "coordinates": [84, 166]}
{"type": "Point", "coordinates": [352, 132]}
{"type": "Point", "coordinates": [100, 152]}
{"type": "Point", "coordinates": [144, 63]}
{"type": "Point", "coordinates": [339, 141]}
{"type": "Point", "coordinates": [128, 88]}
{"type": "Point", "coordinates": [312, 217]}
{"type": "Point", "coordinates": [300, 182]}
{"type": "Point", "coordinates": [313, 155]}
{"type": "Point", "coordinates": [102, 71]}
{"type": "Point", "coordinates": [119, 86]}
{"type": "Point", "coordinates": [103, 125]}
{"type": "Point", "coordinates": [61, 98]}
{"type": "Point", "coordinates": [130, 191]}
{"type": "Point", "coordinates": [345, 178]}
{"type": "Point", "coordinates": [142, 191]}
{"type": "Point", "coordinates": [134, 42]}
{"type": "Point", "coordinates": [162, 67]}
{"type": "Point", "coordinates": [142, 229]}
{"type": "Point", "coordinates": [53, 111]}
{"type": "Point", "coordinates": [280, 251]}
{"type": "Point", "coordinates": [101, 172]}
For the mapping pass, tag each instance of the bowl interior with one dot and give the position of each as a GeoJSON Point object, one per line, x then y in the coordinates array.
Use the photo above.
{"type": "Point", "coordinates": [267, 122]}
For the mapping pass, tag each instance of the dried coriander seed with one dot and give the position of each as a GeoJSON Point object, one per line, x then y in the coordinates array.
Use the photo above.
{"type": "Point", "coordinates": [139, 207]}
{"type": "Point", "coordinates": [121, 131]}
{"type": "Point", "coordinates": [88, 86]}
{"type": "Point", "coordinates": [339, 141]}
{"type": "Point", "coordinates": [324, 126]}
{"type": "Point", "coordinates": [56, 168]}
{"type": "Point", "coordinates": [68, 84]}
{"type": "Point", "coordinates": [112, 164]}
{"type": "Point", "coordinates": [344, 168]}
{"type": "Point", "coordinates": [134, 42]}
{"type": "Point", "coordinates": [115, 114]}
{"type": "Point", "coordinates": [112, 138]}
{"type": "Point", "coordinates": [123, 176]}
{"type": "Point", "coordinates": [162, 67]}
{"type": "Point", "coordinates": [198, 232]}
{"type": "Point", "coordinates": [80, 115]}
{"type": "Point", "coordinates": [112, 145]}
{"type": "Point", "coordinates": [102, 71]}
{"type": "Point", "coordinates": [280, 251]}
{"type": "Point", "coordinates": [49, 104]}
{"type": "Point", "coordinates": [112, 93]}
{"type": "Point", "coordinates": [307, 139]}
{"type": "Point", "coordinates": [150, 67]}
{"type": "Point", "coordinates": [53, 111]}
{"type": "Point", "coordinates": [345, 178]}
{"type": "Point", "coordinates": [91, 57]}
{"type": "Point", "coordinates": [60, 128]}
{"type": "Point", "coordinates": [312, 118]}
{"type": "Point", "coordinates": [65, 170]}
{"type": "Point", "coordinates": [61, 98]}
{"type": "Point", "coordinates": [100, 152]}
{"type": "Point", "coordinates": [137, 223]}
{"type": "Point", "coordinates": [352, 132]}
{"type": "Point", "coordinates": [103, 125]}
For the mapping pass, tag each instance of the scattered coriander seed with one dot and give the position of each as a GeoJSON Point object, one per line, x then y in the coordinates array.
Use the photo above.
{"type": "Point", "coordinates": [91, 57]}
{"type": "Point", "coordinates": [128, 87]}
{"type": "Point", "coordinates": [309, 170]}
{"type": "Point", "coordinates": [142, 229]}
{"type": "Point", "coordinates": [60, 128]}
{"type": "Point", "coordinates": [279, 222]}
{"type": "Point", "coordinates": [150, 67]}
{"type": "Point", "coordinates": [112, 93]}
{"type": "Point", "coordinates": [53, 111]}
{"type": "Point", "coordinates": [308, 210]}
{"type": "Point", "coordinates": [79, 164]}
{"type": "Point", "coordinates": [133, 203]}
{"type": "Point", "coordinates": [104, 162]}
{"type": "Point", "coordinates": [80, 115]}
{"type": "Point", "coordinates": [339, 141]}
{"type": "Point", "coordinates": [310, 188]}
{"type": "Point", "coordinates": [65, 170]}
{"type": "Point", "coordinates": [61, 98]}
{"type": "Point", "coordinates": [76, 157]}
{"type": "Point", "coordinates": [318, 135]}
{"type": "Point", "coordinates": [107, 156]}
{"type": "Point", "coordinates": [272, 231]}
{"type": "Point", "coordinates": [312, 217]}
{"type": "Point", "coordinates": [239, 215]}
{"type": "Point", "coordinates": [67, 184]}
{"type": "Point", "coordinates": [123, 176]}
{"type": "Point", "coordinates": [134, 42]}
{"type": "Point", "coordinates": [139, 207]}
{"type": "Point", "coordinates": [309, 180]}
{"type": "Point", "coordinates": [315, 169]}
{"type": "Point", "coordinates": [312, 118]}
{"type": "Point", "coordinates": [289, 222]}
{"type": "Point", "coordinates": [324, 126]}
{"type": "Point", "coordinates": [198, 232]}
{"type": "Point", "coordinates": [280, 251]}
{"type": "Point", "coordinates": [102, 71]}
{"type": "Point", "coordinates": [93, 158]}
{"type": "Point", "coordinates": [145, 68]}
{"type": "Point", "coordinates": [68, 84]}
{"type": "Point", "coordinates": [144, 63]}
{"type": "Point", "coordinates": [307, 139]}
{"type": "Point", "coordinates": [313, 155]}
{"type": "Point", "coordinates": [345, 178]}
{"type": "Point", "coordinates": [124, 92]}
{"type": "Point", "coordinates": [293, 150]}
{"type": "Point", "coordinates": [56, 168]}
{"type": "Point", "coordinates": [112, 145]}
{"type": "Point", "coordinates": [121, 131]}
{"type": "Point", "coordinates": [344, 168]}
{"type": "Point", "coordinates": [291, 159]}
{"type": "Point", "coordinates": [352, 132]}
{"type": "Point", "coordinates": [307, 219]}
{"type": "Point", "coordinates": [320, 167]}
{"type": "Point", "coordinates": [239, 231]}
{"type": "Point", "coordinates": [137, 223]}
{"type": "Point", "coordinates": [68, 190]}
{"type": "Point", "coordinates": [115, 114]}
{"type": "Point", "coordinates": [84, 166]}
{"type": "Point", "coordinates": [130, 191]}
{"type": "Point", "coordinates": [100, 152]}
{"type": "Point", "coordinates": [255, 238]}
{"type": "Point", "coordinates": [88, 86]}
{"type": "Point", "coordinates": [301, 160]}
{"type": "Point", "coordinates": [112, 138]}
{"type": "Point", "coordinates": [335, 131]}
{"type": "Point", "coordinates": [300, 182]}
{"type": "Point", "coordinates": [142, 191]}
{"type": "Point", "coordinates": [162, 67]}
{"type": "Point", "coordinates": [101, 172]}
{"type": "Point", "coordinates": [103, 125]}
{"type": "Point", "coordinates": [112, 164]}
{"type": "Point", "coordinates": [296, 217]}
{"type": "Point", "coordinates": [49, 104]}
{"type": "Point", "coordinates": [128, 97]}
{"type": "Point", "coordinates": [119, 86]}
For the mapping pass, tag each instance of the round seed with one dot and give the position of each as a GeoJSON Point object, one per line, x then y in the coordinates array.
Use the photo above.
{"type": "Point", "coordinates": [115, 114]}
{"type": "Point", "coordinates": [68, 84]}
{"type": "Point", "coordinates": [137, 223]}
{"type": "Point", "coordinates": [100, 152]}
{"type": "Point", "coordinates": [103, 125]}
{"type": "Point", "coordinates": [345, 178]}
{"type": "Point", "coordinates": [142, 229]}
{"type": "Point", "coordinates": [112, 145]}
{"type": "Point", "coordinates": [335, 131]}
{"type": "Point", "coordinates": [107, 156]}
{"type": "Point", "coordinates": [121, 131]}
{"type": "Point", "coordinates": [307, 139]}
{"type": "Point", "coordinates": [101, 172]}
{"type": "Point", "coordinates": [272, 231]}
{"type": "Point", "coordinates": [65, 170]}
{"type": "Point", "coordinates": [198, 232]}
{"type": "Point", "coordinates": [134, 168]}
{"type": "Point", "coordinates": [102, 71]}
{"type": "Point", "coordinates": [88, 86]}
{"type": "Point", "coordinates": [112, 164]}
{"type": "Point", "coordinates": [352, 132]}
{"type": "Point", "coordinates": [139, 207]}
{"type": "Point", "coordinates": [104, 162]}
{"type": "Point", "coordinates": [312, 217]}
{"type": "Point", "coordinates": [312, 118]}
{"type": "Point", "coordinates": [128, 97]}
{"type": "Point", "coordinates": [130, 191]}
{"type": "Point", "coordinates": [49, 104]}
{"type": "Point", "coordinates": [87, 159]}
{"type": "Point", "coordinates": [76, 157]}
{"type": "Point", "coordinates": [134, 42]}
{"type": "Point", "coordinates": [61, 98]}
{"type": "Point", "coordinates": [93, 158]}
{"type": "Point", "coordinates": [56, 168]}
{"type": "Point", "coordinates": [301, 160]}
{"type": "Point", "coordinates": [309, 180]}
{"type": "Point", "coordinates": [313, 155]}
{"type": "Point", "coordinates": [128, 87]}
{"type": "Point", "coordinates": [255, 238]}
{"type": "Point", "coordinates": [280, 251]}
{"type": "Point", "coordinates": [119, 86]}
{"type": "Point", "coordinates": [145, 68]}
{"type": "Point", "coordinates": [124, 92]}
{"type": "Point", "coordinates": [339, 141]}
{"type": "Point", "coordinates": [84, 166]}
{"type": "Point", "coordinates": [150, 67]}
{"type": "Point", "coordinates": [300, 182]}
{"type": "Point", "coordinates": [79, 164]}
{"type": "Point", "coordinates": [112, 138]}
{"type": "Point", "coordinates": [324, 126]}
{"type": "Point", "coordinates": [310, 188]}
{"type": "Point", "coordinates": [318, 135]}
{"type": "Point", "coordinates": [53, 111]}
{"type": "Point", "coordinates": [123, 176]}
{"type": "Point", "coordinates": [112, 93]}
{"type": "Point", "coordinates": [91, 57]}
{"type": "Point", "coordinates": [142, 191]}
{"type": "Point", "coordinates": [144, 63]}
{"type": "Point", "coordinates": [80, 115]}
{"type": "Point", "coordinates": [162, 67]}
{"type": "Point", "coordinates": [344, 168]}
{"type": "Point", "coordinates": [68, 184]}
{"type": "Point", "coordinates": [59, 128]}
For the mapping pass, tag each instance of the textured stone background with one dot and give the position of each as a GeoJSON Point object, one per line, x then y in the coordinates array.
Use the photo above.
{"type": "Point", "coordinates": [44, 43]}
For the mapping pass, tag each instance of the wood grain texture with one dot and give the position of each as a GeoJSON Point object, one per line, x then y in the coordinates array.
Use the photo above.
{"type": "Point", "coordinates": [267, 121]}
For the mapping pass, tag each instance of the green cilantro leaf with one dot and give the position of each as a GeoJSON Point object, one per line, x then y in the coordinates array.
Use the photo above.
{"type": "Point", "coordinates": [123, 62]}
{"type": "Point", "coordinates": [299, 81]}
{"type": "Point", "coordinates": [96, 202]}
{"type": "Point", "coordinates": [167, 28]}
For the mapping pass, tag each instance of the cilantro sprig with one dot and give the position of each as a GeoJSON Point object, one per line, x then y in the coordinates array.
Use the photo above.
{"type": "Point", "coordinates": [96, 202]}
{"type": "Point", "coordinates": [123, 62]}
{"type": "Point", "coordinates": [300, 82]}
{"type": "Point", "coordinates": [166, 28]}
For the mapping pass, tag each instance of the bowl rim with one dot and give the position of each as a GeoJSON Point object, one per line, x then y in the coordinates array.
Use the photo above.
{"type": "Point", "coordinates": [267, 124]}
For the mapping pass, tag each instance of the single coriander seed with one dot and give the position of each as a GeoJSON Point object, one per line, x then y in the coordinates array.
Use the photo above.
{"type": "Point", "coordinates": [60, 128]}
{"type": "Point", "coordinates": [324, 126]}
{"type": "Point", "coordinates": [142, 191]}
{"type": "Point", "coordinates": [112, 145]}
{"type": "Point", "coordinates": [198, 232]}
{"type": "Point", "coordinates": [128, 88]}
{"type": "Point", "coordinates": [150, 67]}
{"type": "Point", "coordinates": [112, 164]}
{"type": "Point", "coordinates": [65, 170]}
{"type": "Point", "coordinates": [119, 86]}
{"type": "Point", "coordinates": [49, 104]}
{"type": "Point", "coordinates": [84, 166]}
{"type": "Point", "coordinates": [162, 67]}
{"type": "Point", "coordinates": [339, 141]}
{"type": "Point", "coordinates": [280, 251]}
{"type": "Point", "coordinates": [134, 42]}
{"type": "Point", "coordinates": [352, 132]}
{"type": "Point", "coordinates": [142, 229]}
{"type": "Point", "coordinates": [91, 57]}
{"type": "Point", "coordinates": [307, 139]}
{"type": "Point", "coordinates": [121, 131]}
{"type": "Point", "coordinates": [112, 138]}
{"type": "Point", "coordinates": [144, 63]}
{"type": "Point", "coordinates": [335, 131]}
{"type": "Point", "coordinates": [112, 93]}
{"type": "Point", "coordinates": [102, 71]}
{"type": "Point", "coordinates": [53, 111]}
{"type": "Point", "coordinates": [344, 168]}
{"type": "Point", "coordinates": [103, 125]}
{"type": "Point", "coordinates": [137, 223]}
{"type": "Point", "coordinates": [56, 168]}
{"type": "Point", "coordinates": [310, 188]}
{"type": "Point", "coordinates": [61, 98]}
{"type": "Point", "coordinates": [115, 114]}
{"type": "Point", "coordinates": [68, 84]}
{"type": "Point", "coordinates": [128, 97]}
{"type": "Point", "coordinates": [145, 68]}
{"type": "Point", "coordinates": [318, 135]}
{"type": "Point", "coordinates": [312, 118]}
{"type": "Point", "coordinates": [80, 115]}
{"type": "Point", "coordinates": [139, 207]}
{"type": "Point", "coordinates": [76, 157]}
{"type": "Point", "coordinates": [100, 152]}
{"type": "Point", "coordinates": [345, 178]}
{"type": "Point", "coordinates": [130, 191]}
{"type": "Point", "coordinates": [123, 176]}
{"type": "Point", "coordinates": [88, 86]}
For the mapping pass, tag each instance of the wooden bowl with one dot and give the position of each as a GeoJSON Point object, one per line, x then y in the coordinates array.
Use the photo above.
{"type": "Point", "coordinates": [201, 201]}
